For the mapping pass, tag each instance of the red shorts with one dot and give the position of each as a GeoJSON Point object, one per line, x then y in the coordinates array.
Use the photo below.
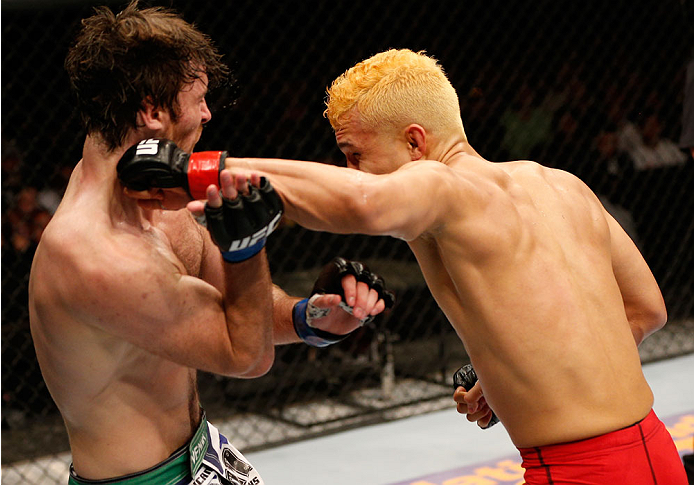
{"type": "Point", "coordinates": [642, 454]}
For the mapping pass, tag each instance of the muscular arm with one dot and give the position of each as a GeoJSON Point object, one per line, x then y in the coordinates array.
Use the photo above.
{"type": "Point", "coordinates": [364, 299]}
{"type": "Point", "coordinates": [323, 197]}
{"type": "Point", "coordinates": [143, 297]}
{"type": "Point", "coordinates": [282, 304]}
{"type": "Point", "coordinates": [643, 301]}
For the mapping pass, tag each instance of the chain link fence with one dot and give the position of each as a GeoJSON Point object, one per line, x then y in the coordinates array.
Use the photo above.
{"type": "Point", "coordinates": [595, 88]}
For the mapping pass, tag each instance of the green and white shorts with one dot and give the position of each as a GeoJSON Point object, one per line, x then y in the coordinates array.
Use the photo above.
{"type": "Point", "coordinates": [208, 459]}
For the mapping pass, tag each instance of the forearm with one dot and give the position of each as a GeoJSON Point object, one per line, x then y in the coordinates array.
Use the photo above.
{"type": "Point", "coordinates": [283, 329]}
{"type": "Point", "coordinates": [248, 308]}
{"type": "Point", "coordinates": [645, 310]}
{"type": "Point", "coordinates": [643, 301]}
{"type": "Point", "coordinates": [318, 196]}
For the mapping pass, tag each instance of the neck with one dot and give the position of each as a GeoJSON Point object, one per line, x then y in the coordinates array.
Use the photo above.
{"type": "Point", "coordinates": [98, 160]}
{"type": "Point", "coordinates": [99, 171]}
{"type": "Point", "coordinates": [451, 151]}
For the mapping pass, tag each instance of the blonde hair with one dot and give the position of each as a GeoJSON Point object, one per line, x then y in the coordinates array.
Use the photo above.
{"type": "Point", "coordinates": [396, 88]}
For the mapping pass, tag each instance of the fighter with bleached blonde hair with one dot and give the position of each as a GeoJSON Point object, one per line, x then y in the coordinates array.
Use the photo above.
{"type": "Point", "coordinates": [548, 294]}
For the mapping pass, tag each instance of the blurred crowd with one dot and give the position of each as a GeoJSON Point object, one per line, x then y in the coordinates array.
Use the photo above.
{"type": "Point", "coordinates": [614, 132]}
{"type": "Point", "coordinates": [26, 208]}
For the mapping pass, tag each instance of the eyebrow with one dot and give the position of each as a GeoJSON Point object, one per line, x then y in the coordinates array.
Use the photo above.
{"type": "Point", "coordinates": [344, 144]}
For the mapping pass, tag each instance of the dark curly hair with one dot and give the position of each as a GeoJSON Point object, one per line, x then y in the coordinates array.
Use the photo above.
{"type": "Point", "coordinates": [119, 61]}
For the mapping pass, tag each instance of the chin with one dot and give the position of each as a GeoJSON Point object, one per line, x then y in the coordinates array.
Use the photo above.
{"type": "Point", "coordinates": [187, 146]}
{"type": "Point", "coordinates": [195, 142]}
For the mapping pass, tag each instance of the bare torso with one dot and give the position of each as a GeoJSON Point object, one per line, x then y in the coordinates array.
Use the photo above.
{"type": "Point", "coordinates": [125, 408]}
{"type": "Point", "coordinates": [534, 299]}
{"type": "Point", "coordinates": [547, 292]}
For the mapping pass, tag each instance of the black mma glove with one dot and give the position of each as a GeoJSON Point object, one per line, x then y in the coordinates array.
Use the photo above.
{"type": "Point", "coordinates": [330, 282]}
{"type": "Point", "coordinates": [159, 163]}
{"type": "Point", "coordinates": [467, 377]}
{"type": "Point", "coordinates": [241, 226]}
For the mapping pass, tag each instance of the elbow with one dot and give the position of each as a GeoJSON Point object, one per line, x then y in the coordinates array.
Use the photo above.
{"type": "Point", "coordinates": [262, 365]}
{"type": "Point", "coordinates": [366, 217]}
{"type": "Point", "coordinates": [659, 317]}
{"type": "Point", "coordinates": [363, 207]}
{"type": "Point", "coordinates": [657, 314]}
{"type": "Point", "coordinates": [249, 364]}
{"type": "Point", "coordinates": [368, 221]}
{"type": "Point", "coordinates": [649, 320]}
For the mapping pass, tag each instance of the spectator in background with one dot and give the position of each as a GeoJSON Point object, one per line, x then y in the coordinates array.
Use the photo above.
{"type": "Point", "coordinates": [651, 149]}
{"type": "Point", "coordinates": [27, 209]}
{"type": "Point", "coordinates": [563, 149]}
{"type": "Point", "coordinates": [607, 170]}
{"type": "Point", "coordinates": [11, 171]}
{"type": "Point", "coordinates": [558, 92]}
{"type": "Point", "coordinates": [614, 101]}
{"type": "Point", "coordinates": [50, 196]}
{"type": "Point", "coordinates": [26, 220]}
{"type": "Point", "coordinates": [483, 104]}
{"type": "Point", "coordinates": [526, 125]}
{"type": "Point", "coordinates": [568, 88]}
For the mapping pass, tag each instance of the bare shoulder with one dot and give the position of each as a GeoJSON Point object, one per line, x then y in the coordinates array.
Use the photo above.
{"type": "Point", "coordinates": [526, 169]}
{"type": "Point", "coordinates": [64, 243]}
{"type": "Point", "coordinates": [68, 255]}
{"type": "Point", "coordinates": [83, 257]}
{"type": "Point", "coordinates": [534, 176]}
{"type": "Point", "coordinates": [557, 192]}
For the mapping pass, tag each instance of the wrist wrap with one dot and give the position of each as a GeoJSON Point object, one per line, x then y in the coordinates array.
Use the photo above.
{"type": "Point", "coordinates": [310, 335]}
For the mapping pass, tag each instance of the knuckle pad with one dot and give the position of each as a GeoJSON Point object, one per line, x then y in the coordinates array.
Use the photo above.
{"type": "Point", "coordinates": [356, 268]}
{"type": "Point", "coordinates": [465, 377]}
{"type": "Point", "coordinates": [388, 298]}
{"type": "Point", "coordinates": [370, 279]}
{"type": "Point", "coordinates": [330, 278]}
{"type": "Point", "coordinates": [340, 264]}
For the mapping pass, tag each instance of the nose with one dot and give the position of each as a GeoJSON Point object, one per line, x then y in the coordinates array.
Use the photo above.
{"type": "Point", "coordinates": [206, 113]}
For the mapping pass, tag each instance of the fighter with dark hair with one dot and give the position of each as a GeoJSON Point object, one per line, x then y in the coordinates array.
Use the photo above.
{"type": "Point", "coordinates": [128, 300]}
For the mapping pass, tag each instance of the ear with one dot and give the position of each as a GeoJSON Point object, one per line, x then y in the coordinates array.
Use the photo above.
{"type": "Point", "coordinates": [151, 117]}
{"type": "Point", "coordinates": [416, 137]}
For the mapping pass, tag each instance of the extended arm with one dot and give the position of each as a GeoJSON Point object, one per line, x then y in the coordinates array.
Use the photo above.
{"type": "Point", "coordinates": [345, 295]}
{"type": "Point", "coordinates": [402, 204]}
{"type": "Point", "coordinates": [643, 301]}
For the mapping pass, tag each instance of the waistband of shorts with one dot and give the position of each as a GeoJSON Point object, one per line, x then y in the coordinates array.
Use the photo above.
{"type": "Point", "coordinates": [170, 471]}
{"type": "Point", "coordinates": [621, 437]}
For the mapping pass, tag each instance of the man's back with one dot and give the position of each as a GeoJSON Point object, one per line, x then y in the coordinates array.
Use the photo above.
{"type": "Point", "coordinates": [524, 272]}
{"type": "Point", "coordinates": [104, 385]}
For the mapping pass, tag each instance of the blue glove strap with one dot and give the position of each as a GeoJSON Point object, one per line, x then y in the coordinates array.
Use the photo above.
{"type": "Point", "coordinates": [243, 254]}
{"type": "Point", "coordinates": [310, 335]}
